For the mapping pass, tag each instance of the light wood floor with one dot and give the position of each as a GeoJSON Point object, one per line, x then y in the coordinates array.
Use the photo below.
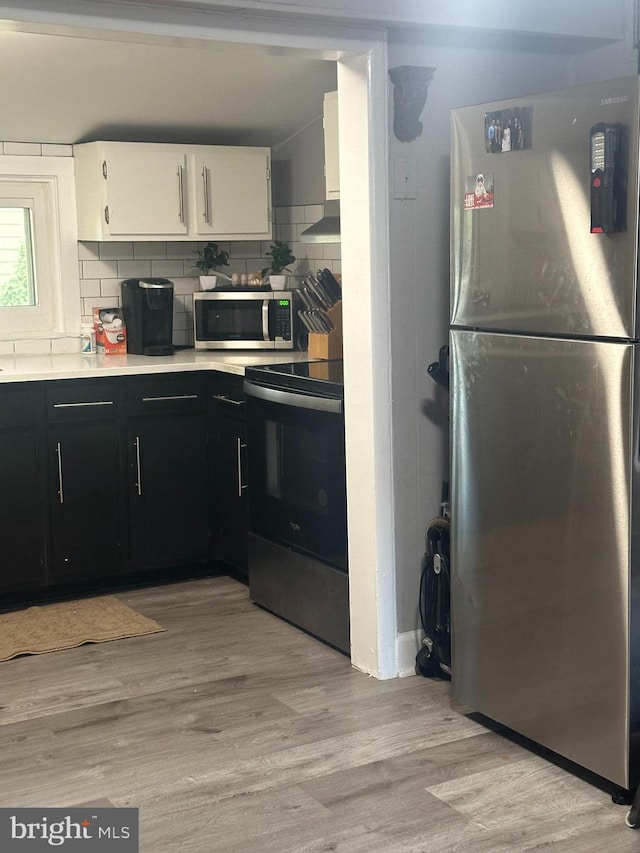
{"type": "Point", "coordinates": [233, 732]}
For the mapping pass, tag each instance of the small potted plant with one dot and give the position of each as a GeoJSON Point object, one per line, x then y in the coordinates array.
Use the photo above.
{"type": "Point", "coordinates": [281, 257]}
{"type": "Point", "coordinates": [211, 258]}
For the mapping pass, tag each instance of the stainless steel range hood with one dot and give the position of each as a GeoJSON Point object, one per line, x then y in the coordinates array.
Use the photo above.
{"type": "Point", "coordinates": [327, 229]}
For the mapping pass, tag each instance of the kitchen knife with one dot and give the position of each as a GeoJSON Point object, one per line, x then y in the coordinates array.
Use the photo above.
{"type": "Point", "coordinates": [307, 324]}
{"type": "Point", "coordinates": [317, 291]}
{"type": "Point", "coordinates": [328, 323]}
{"type": "Point", "coordinates": [313, 319]}
{"type": "Point", "coordinates": [322, 291]}
{"type": "Point", "coordinates": [311, 299]}
{"type": "Point", "coordinates": [324, 322]}
{"type": "Point", "coordinates": [302, 297]}
{"type": "Point", "coordinates": [331, 284]}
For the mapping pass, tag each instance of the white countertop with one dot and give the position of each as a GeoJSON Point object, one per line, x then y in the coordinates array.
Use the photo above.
{"type": "Point", "coordinates": [28, 368]}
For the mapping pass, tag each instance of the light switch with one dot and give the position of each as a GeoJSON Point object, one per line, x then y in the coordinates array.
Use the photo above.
{"type": "Point", "coordinates": [404, 178]}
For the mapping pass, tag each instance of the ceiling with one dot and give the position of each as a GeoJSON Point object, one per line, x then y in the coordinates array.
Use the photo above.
{"type": "Point", "coordinates": [69, 89]}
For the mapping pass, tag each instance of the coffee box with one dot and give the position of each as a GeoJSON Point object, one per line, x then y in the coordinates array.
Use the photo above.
{"type": "Point", "coordinates": [111, 333]}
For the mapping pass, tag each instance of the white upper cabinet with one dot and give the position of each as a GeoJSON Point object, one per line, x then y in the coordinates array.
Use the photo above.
{"type": "Point", "coordinates": [331, 154]}
{"type": "Point", "coordinates": [158, 191]}
{"type": "Point", "coordinates": [233, 192]}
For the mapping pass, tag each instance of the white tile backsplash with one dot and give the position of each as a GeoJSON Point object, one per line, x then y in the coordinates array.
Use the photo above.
{"type": "Point", "coordinates": [90, 287]}
{"type": "Point", "coordinates": [99, 269]}
{"type": "Point", "coordinates": [110, 287]}
{"type": "Point", "coordinates": [115, 251]}
{"type": "Point", "coordinates": [167, 269]}
{"type": "Point", "coordinates": [149, 251]}
{"type": "Point", "coordinates": [89, 251]}
{"type": "Point", "coordinates": [32, 346]}
{"type": "Point", "coordinates": [134, 269]}
{"type": "Point", "coordinates": [65, 345]}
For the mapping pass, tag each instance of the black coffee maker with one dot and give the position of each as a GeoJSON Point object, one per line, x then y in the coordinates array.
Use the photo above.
{"type": "Point", "coordinates": [147, 305]}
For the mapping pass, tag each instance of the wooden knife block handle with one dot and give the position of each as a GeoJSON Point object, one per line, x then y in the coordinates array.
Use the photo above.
{"type": "Point", "coordinates": [328, 346]}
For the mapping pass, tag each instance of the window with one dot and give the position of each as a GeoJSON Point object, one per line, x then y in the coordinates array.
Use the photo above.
{"type": "Point", "coordinates": [39, 288]}
{"type": "Point", "coordinates": [17, 284]}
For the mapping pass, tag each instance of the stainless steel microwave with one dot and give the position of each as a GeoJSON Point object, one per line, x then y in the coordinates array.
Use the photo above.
{"type": "Point", "coordinates": [228, 319]}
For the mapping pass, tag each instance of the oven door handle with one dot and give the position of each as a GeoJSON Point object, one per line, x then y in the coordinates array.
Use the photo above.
{"type": "Point", "coordinates": [288, 398]}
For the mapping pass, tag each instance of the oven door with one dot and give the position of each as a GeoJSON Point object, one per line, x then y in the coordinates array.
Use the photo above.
{"type": "Point", "coordinates": [297, 492]}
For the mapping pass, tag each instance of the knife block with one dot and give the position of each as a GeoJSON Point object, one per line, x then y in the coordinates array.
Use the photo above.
{"type": "Point", "coordinates": [328, 346]}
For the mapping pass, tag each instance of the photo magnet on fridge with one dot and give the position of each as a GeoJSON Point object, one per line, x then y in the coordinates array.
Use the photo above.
{"type": "Point", "coordinates": [507, 130]}
{"type": "Point", "coordinates": [479, 191]}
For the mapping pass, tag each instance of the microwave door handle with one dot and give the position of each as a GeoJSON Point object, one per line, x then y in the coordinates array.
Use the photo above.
{"type": "Point", "coordinates": [299, 401]}
{"type": "Point", "coordinates": [265, 320]}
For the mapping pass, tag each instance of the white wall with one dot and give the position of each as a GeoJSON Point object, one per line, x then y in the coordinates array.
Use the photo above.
{"type": "Point", "coordinates": [419, 239]}
{"type": "Point", "coordinates": [297, 166]}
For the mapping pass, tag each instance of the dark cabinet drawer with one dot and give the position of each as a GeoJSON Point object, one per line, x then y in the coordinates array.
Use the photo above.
{"type": "Point", "coordinates": [168, 393]}
{"type": "Point", "coordinates": [226, 395]}
{"type": "Point", "coordinates": [82, 401]}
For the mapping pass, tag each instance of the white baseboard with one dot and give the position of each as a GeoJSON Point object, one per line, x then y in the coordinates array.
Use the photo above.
{"type": "Point", "coordinates": [407, 646]}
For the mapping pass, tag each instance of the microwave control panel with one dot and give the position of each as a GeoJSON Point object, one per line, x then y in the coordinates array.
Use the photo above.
{"type": "Point", "coordinates": [281, 319]}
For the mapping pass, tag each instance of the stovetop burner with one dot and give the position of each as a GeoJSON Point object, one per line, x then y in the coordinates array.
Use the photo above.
{"type": "Point", "coordinates": [315, 377]}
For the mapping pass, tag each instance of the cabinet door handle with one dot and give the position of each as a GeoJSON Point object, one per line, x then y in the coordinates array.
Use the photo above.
{"type": "Point", "coordinates": [170, 397]}
{"type": "Point", "coordinates": [224, 399]}
{"type": "Point", "coordinates": [205, 189]}
{"type": "Point", "coordinates": [241, 485]}
{"type": "Point", "coordinates": [180, 194]}
{"type": "Point", "coordinates": [60, 490]}
{"type": "Point", "coordinates": [77, 405]}
{"type": "Point", "coordinates": [139, 473]}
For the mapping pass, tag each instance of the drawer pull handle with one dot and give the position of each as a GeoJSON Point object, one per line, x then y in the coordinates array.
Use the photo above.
{"type": "Point", "coordinates": [241, 485]}
{"type": "Point", "coordinates": [205, 187]}
{"type": "Point", "coordinates": [139, 472]}
{"type": "Point", "coordinates": [79, 405]}
{"type": "Point", "coordinates": [171, 397]}
{"type": "Point", "coordinates": [224, 399]}
{"type": "Point", "coordinates": [60, 491]}
{"type": "Point", "coordinates": [180, 195]}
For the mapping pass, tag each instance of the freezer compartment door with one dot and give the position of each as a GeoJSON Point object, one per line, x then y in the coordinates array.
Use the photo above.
{"type": "Point", "coordinates": [542, 473]}
{"type": "Point", "coordinates": [523, 255]}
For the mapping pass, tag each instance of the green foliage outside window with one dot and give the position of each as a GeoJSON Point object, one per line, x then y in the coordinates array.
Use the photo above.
{"type": "Point", "coordinates": [15, 291]}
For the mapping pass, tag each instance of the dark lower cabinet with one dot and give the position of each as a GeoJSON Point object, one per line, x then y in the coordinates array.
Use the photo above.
{"type": "Point", "coordinates": [23, 484]}
{"type": "Point", "coordinates": [86, 495]}
{"type": "Point", "coordinates": [228, 475]}
{"type": "Point", "coordinates": [167, 471]}
{"type": "Point", "coordinates": [120, 475]}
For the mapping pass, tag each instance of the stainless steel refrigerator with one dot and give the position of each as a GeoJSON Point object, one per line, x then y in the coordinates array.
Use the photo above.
{"type": "Point", "coordinates": [545, 553]}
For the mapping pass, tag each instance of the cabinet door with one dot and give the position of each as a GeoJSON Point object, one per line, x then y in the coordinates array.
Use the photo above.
{"type": "Point", "coordinates": [85, 504]}
{"type": "Point", "coordinates": [228, 466]}
{"type": "Point", "coordinates": [168, 488]}
{"type": "Point", "coordinates": [22, 539]}
{"type": "Point", "coordinates": [229, 479]}
{"type": "Point", "coordinates": [168, 477]}
{"type": "Point", "coordinates": [86, 481]}
{"type": "Point", "coordinates": [331, 152]}
{"type": "Point", "coordinates": [145, 190]}
{"type": "Point", "coordinates": [233, 193]}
